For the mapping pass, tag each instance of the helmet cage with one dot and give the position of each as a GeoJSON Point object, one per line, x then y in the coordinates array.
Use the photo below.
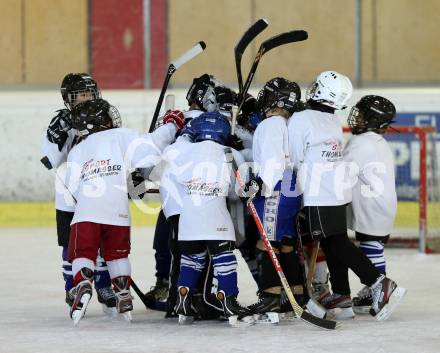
{"type": "Point", "coordinates": [371, 113]}
{"type": "Point", "coordinates": [115, 116]}
{"type": "Point", "coordinates": [74, 85]}
{"type": "Point", "coordinates": [72, 96]}
{"type": "Point", "coordinates": [198, 90]}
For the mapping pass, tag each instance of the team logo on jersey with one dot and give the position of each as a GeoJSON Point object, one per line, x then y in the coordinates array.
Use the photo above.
{"type": "Point", "coordinates": [199, 187]}
{"type": "Point", "coordinates": [100, 168]}
{"type": "Point", "coordinates": [332, 151]}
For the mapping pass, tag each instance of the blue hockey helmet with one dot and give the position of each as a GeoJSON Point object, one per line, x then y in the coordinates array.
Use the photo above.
{"type": "Point", "coordinates": [211, 126]}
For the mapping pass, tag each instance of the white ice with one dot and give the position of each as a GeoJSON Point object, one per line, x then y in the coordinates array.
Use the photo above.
{"type": "Point", "coordinates": [34, 317]}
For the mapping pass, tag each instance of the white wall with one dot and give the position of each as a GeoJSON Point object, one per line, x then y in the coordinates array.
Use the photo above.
{"type": "Point", "coordinates": [24, 116]}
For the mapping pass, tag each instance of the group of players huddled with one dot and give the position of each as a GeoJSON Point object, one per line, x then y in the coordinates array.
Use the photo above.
{"type": "Point", "coordinates": [306, 186]}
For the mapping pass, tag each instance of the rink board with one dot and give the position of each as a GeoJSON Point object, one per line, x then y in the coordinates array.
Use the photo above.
{"type": "Point", "coordinates": [42, 214]}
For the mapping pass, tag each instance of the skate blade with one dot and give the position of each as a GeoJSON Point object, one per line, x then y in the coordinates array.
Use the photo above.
{"type": "Point", "coordinates": [270, 318]}
{"type": "Point", "coordinates": [127, 316]}
{"type": "Point", "coordinates": [109, 311]}
{"type": "Point", "coordinates": [185, 320]}
{"type": "Point", "coordinates": [234, 321]}
{"type": "Point", "coordinates": [316, 309]}
{"type": "Point", "coordinates": [361, 310]}
{"type": "Point", "coordinates": [341, 313]}
{"type": "Point", "coordinates": [394, 301]}
{"type": "Point", "coordinates": [288, 316]}
{"type": "Point", "coordinates": [77, 315]}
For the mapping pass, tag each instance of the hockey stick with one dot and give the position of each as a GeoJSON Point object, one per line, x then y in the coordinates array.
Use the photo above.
{"type": "Point", "coordinates": [172, 68]}
{"type": "Point", "coordinates": [269, 44]}
{"type": "Point", "coordinates": [312, 265]}
{"type": "Point", "coordinates": [139, 293]}
{"type": "Point", "coordinates": [251, 33]}
{"type": "Point", "coordinates": [298, 310]}
{"type": "Point", "coordinates": [312, 305]}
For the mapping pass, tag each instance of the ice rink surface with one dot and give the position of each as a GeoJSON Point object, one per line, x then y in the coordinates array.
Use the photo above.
{"type": "Point", "coordinates": [34, 317]}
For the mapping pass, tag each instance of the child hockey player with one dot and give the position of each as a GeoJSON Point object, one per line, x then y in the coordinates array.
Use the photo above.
{"type": "Point", "coordinates": [276, 203]}
{"type": "Point", "coordinates": [374, 201]}
{"type": "Point", "coordinates": [205, 225]}
{"type": "Point", "coordinates": [97, 172]}
{"type": "Point", "coordinates": [203, 95]}
{"type": "Point", "coordinates": [315, 145]}
{"type": "Point", "coordinates": [59, 139]}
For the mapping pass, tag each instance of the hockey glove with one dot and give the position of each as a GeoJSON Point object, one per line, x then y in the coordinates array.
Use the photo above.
{"type": "Point", "coordinates": [136, 189]}
{"type": "Point", "coordinates": [176, 117]}
{"type": "Point", "coordinates": [235, 142]}
{"type": "Point", "coordinates": [58, 128]}
{"type": "Point", "coordinates": [251, 188]}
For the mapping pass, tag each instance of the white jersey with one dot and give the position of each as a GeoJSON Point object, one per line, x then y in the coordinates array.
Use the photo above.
{"type": "Point", "coordinates": [170, 190]}
{"type": "Point", "coordinates": [374, 199]}
{"type": "Point", "coordinates": [57, 158]}
{"type": "Point", "coordinates": [98, 168]}
{"type": "Point", "coordinates": [270, 151]}
{"type": "Point", "coordinates": [247, 138]}
{"type": "Point", "coordinates": [315, 149]}
{"type": "Point", "coordinates": [207, 179]}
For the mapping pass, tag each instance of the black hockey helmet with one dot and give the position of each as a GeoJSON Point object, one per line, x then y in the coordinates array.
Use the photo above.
{"type": "Point", "coordinates": [279, 93]}
{"type": "Point", "coordinates": [226, 98]}
{"type": "Point", "coordinates": [371, 113]}
{"type": "Point", "coordinates": [199, 89]}
{"type": "Point", "coordinates": [75, 84]}
{"type": "Point", "coordinates": [92, 116]}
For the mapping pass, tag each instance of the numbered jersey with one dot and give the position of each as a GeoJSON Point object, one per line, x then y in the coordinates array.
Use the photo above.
{"type": "Point", "coordinates": [315, 149]}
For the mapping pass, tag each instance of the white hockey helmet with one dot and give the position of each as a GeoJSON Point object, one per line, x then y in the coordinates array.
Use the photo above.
{"type": "Point", "coordinates": [332, 89]}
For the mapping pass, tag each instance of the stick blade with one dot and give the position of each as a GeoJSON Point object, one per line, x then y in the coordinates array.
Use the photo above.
{"type": "Point", "coordinates": [187, 56]}
{"type": "Point", "coordinates": [249, 35]}
{"type": "Point", "coordinates": [284, 38]}
{"type": "Point", "coordinates": [318, 322]}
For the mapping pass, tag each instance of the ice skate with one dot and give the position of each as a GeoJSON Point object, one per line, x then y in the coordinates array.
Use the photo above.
{"type": "Point", "coordinates": [183, 306]}
{"type": "Point", "coordinates": [339, 306]}
{"type": "Point", "coordinates": [236, 314]}
{"type": "Point", "coordinates": [362, 303]}
{"type": "Point", "coordinates": [82, 294]}
{"type": "Point", "coordinates": [69, 297]}
{"type": "Point", "coordinates": [124, 300]}
{"type": "Point", "coordinates": [266, 309]}
{"type": "Point", "coordinates": [157, 294]}
{"type": "Point", "coordinates": [386, 297]}
{"type": "Point", "coordinates": [107, 298]}
{"type": "Point", "coordinates": [320, 291]}
{"type": "Point", "coordinates": [203, 311]}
